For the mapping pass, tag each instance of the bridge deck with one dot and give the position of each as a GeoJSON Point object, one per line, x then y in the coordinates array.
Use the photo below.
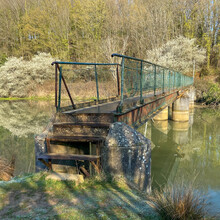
{"type": "Point", "coordinates": [110, 107]}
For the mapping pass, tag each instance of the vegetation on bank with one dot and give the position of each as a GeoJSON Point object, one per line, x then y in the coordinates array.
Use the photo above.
{"type": "Point", "coordinates": [180, 202]}
{"type": "Point", "coordinates": [208, 91]}
{"type": "Point", "coordinates": [35, 33]}
{"type": "Point", "coordinates": [101, 197]}
{"type": "Point", "coordinates": [32, 98]}
{"type": "Point", "coordinates": [34, 197]}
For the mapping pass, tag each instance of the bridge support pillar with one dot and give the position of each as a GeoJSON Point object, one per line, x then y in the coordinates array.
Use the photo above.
{"type": "Point", "coordinates": [180, 110]}
{"type": "Point", "coordinates": [162, 116]}
{"type": "Point", "coordinates": [191, 94]}
{"type": "Point", "coordinates": [180, 132]}
{"type": "Point", "coordinates": [170, 111]}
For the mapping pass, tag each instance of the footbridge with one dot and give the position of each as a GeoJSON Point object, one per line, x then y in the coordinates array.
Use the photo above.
{"type": "Point", "coordinates": [143, 90]}
{"type": "Point", "coordinates": [131, 90]}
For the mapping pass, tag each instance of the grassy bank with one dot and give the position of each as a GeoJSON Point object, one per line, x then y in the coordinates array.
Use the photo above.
{"type": "Point", "coordinates": [33, 197]}
{"type": "Point", "coordinates": [32, 98]}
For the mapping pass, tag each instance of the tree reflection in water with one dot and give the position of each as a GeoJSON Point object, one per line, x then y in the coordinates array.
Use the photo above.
{"type": "Point", "coordinates": [19, 122]}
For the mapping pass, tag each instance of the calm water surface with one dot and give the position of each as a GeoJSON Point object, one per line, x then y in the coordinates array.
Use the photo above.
{"type": "Point", "coordinates": [188, 152]}
{"type": "Point", "coordinates": [180, 151]}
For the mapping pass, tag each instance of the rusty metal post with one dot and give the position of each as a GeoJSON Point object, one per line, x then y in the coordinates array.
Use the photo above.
{"type": "Point", "coordinates": [155, 79]}
{"type": "Point", "coordinates": [64, 82]}
{"type": "Point", "coordinates": [60, 81]}
{"type": "Point", "coordinates": [141, 79]}
{"type": "Point", "coordinates": [97, 85]}
{"type": "Point", "coordinates": [122, 79]}
{"type": "Point", "coordinates": [56, 85]}
{"type": "Point", "coordinates": [169, 80]}
{"type": "Point", "coordinates": [163, 81]}
{"type": "Point", "coordinates": [118, 82]}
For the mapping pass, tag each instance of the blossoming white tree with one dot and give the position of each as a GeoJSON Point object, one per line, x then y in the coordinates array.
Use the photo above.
{"type": "Point", "coordinates": [178, 54]}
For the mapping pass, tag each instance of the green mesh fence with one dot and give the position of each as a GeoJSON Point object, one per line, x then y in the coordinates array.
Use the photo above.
{"type": "Point", "coordinates": [140, 77]}
{"type": "Point", "coordinates": [96, 82]}
{"type": "Point", "coordinates": [80, 85]}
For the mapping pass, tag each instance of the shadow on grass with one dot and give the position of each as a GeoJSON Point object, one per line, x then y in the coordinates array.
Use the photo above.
{"type": "Point", "coordinates": [36, 197]}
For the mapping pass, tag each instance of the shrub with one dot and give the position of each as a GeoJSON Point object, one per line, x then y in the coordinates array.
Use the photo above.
{"type": "Point", "coordinates": [179, 202]}
{"type": "Point", "coordinates": [3, 59]}
{"type": "Point", "coordinates": [19, 77]}
{"type": "Point", "coordinates": [212, 97]}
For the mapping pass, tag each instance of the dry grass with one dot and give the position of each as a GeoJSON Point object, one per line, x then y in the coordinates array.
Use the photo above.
{"type": "Point", "coordinates": [6, 169]}
{"type": "Point", "coordinates": [179, 202]}
{"type": "Point", "coordinates": [78, 90]}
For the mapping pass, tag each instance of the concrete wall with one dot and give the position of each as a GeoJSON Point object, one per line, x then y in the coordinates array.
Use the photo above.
{"type": "Point", "coordinates": [127, 154]}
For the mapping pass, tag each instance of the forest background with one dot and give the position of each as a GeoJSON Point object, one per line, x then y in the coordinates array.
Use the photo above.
{"type": "Point", "coordinates": [91, 30]}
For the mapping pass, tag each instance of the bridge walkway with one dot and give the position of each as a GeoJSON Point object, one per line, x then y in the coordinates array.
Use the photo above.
{"type": "Point", "coordinates": [143, 91]}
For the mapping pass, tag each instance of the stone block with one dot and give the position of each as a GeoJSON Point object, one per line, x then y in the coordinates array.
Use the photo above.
{"type": "Point", "coordinates": [64, 176]}
{"type": "Point", "coordinates": [127, 154]}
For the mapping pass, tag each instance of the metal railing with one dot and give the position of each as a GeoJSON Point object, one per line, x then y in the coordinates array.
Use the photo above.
{"type": "Point", "coordinates": [140, 76]}
{"type": "Point", "coordinates": [60, 78]}
{"type": "Point", "coordinates": [137, 78]}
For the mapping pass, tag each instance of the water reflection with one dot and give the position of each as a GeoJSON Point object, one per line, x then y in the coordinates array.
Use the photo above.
{"type": "Point", "coordinates": [19, 122]}
{"type": "Point", "coordinates": [187, 150]}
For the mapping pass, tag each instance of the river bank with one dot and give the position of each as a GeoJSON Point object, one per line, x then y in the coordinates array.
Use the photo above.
{"type": "Point", "coordinates": [189, 153]}
{"type": "Point", "coordinates": [33, 197]}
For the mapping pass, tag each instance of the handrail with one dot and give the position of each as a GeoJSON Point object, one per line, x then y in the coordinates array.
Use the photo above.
{"type": "Point", "coordinates": [78, 63]}
{"type": "Point", "coordinates": [136, 78]}
{"type": "Point", "coordinates": [137, 59]}
{"type": "Point", "coordinates": [61, 78]}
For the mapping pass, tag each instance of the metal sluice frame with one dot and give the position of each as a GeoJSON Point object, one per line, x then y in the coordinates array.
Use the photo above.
{"type": "Point", "coordinates": [61, 78]}
{"type": "Point", "coordinates": [162, 79]}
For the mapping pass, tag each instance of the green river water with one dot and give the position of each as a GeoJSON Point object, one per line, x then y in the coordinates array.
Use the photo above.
{"type": "Point", "coordinates": [187, 151]}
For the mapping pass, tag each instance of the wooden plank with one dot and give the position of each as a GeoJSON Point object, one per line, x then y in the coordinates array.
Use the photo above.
{"type": "Point", "coordinates": [76, 138]}
{"type": "Point", "coordinates": [54, 156]}
{"type": "Point", "coordinates": [48, 145]}
{"type": "Point", "coordinates": [95, 166]}
{"type": "Point", "coordinates": [89, 124]}
{"type": "Point", "coordinates": [48, 165]}
{"type": "Point", "coordinates": [84, 171]}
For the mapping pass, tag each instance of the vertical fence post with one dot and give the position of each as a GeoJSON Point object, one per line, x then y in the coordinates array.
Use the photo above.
{"type": "Point", "coordinates": [118, 81]}
{"type": "Point", "coordinates": [120, 106]}
{"type": "Point", "coordinates": [169, 80]}
{"type": "Point", "coordinates": [163, 81]}
{"type": "Point", "coordinates": [59, 97]}
{"type": "Point", "coordinates": [141, 79]}
{"type": "Point", "coordinates": [56, 85]}
{"type": "Point", "coordinates": [122, 79]}
{"type": "Point", "coordinates": [97, 85]}
{"type": "Point", "coordinates": [155, 78]}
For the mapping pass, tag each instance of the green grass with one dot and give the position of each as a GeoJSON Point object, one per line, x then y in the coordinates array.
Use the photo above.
{"type": "Point", "coordinates": [97, 198]}
{"type": "Point", "coordinates": [34, 98]}
{"type": "Point", "coordinates": [46, 98]}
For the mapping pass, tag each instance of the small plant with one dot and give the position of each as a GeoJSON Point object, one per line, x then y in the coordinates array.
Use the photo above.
{"type": "Point", "coordinates": [179, 202]}
{"type": "Point", "coordinates": [6, 169]}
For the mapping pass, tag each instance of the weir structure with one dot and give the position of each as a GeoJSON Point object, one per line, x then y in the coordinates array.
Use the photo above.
{"type": "Point", "coordinates": [78, 131]}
